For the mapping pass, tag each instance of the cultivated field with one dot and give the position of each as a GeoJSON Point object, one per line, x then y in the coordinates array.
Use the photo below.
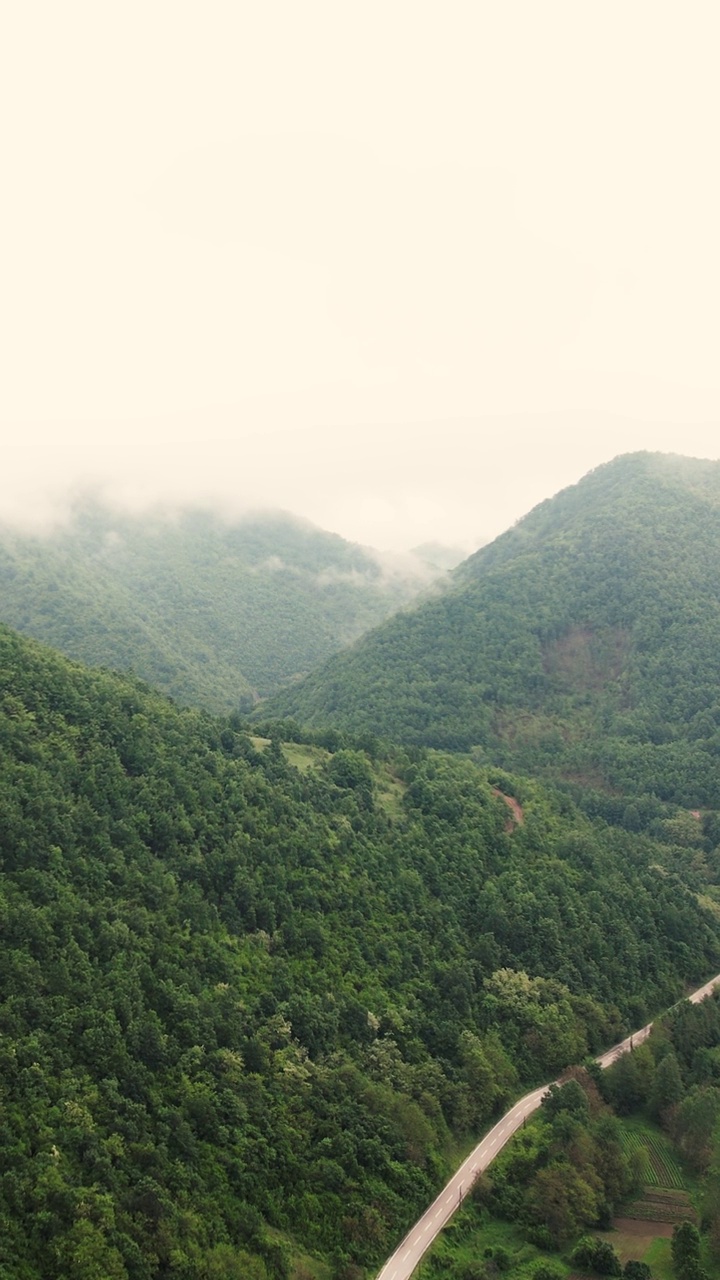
{"type": "Point", "coordinates": [662, 1168]}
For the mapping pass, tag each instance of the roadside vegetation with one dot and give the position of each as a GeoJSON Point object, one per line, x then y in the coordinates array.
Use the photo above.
{"type": "Point", "coordinates": [619, 1172]}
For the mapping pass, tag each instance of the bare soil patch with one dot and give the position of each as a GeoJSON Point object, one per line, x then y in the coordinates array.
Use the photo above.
{"type": "Point", "coordinates": [643, 1229]}
{"type": "Point", "coordinates": [582, 660]}
{"type": "Point", "coordinates": [518, 816]}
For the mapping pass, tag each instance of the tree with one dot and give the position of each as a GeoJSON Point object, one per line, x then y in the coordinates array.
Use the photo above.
{"type": "Point", "coordinates": [351, 770]}
{"type": "Point", "coordinates": [562, 1201]}
{"type": "Point", "coordinates": [637, 1270]}
{"type": "Point", "coordinates": [694, 1122]}
{"type": "Point", "coordinates": [630, 1079]}
{"type": "Point", "coordinates": [85, 1254]}
{"type": "Point", "coordinates": [596, 1255]}
{"type": "Point", "coordinates": [570, 1097]}
{"type": "Point", "coordinates": [685, 1247]}
{"type": "Point", "coordinates": [223, 1262]}
{"type": "Point", "coordinates": [667, 1087]}
{"type": "Point", "coordinates": [548, 1271]}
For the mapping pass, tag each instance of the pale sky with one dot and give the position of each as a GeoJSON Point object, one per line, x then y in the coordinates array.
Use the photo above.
{"type": "Point", "coordinates": [404, 268]}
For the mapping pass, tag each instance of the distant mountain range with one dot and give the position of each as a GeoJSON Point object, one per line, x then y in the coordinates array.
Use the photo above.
{"type": "Point", "coordinates": [257, 988]}
{"type": "Point", "coordinates": [212, 612]}
{"type": "Point", "coordinates": [583, 643]}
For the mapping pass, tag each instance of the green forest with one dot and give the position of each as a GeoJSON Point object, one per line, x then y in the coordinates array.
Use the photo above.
{"type": "Point", "coordinates": [265, 978]}
{"type": "Point", "coordinates": [214, 612]}
{"type": "Point", "coordinates": [643, 1135]}
{"type": "Point", "coordinates": [582, 645]}
{"type": "Point", "coordinates": [255, 992]}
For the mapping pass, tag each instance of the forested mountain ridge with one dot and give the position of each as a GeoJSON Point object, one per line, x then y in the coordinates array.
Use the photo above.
{"type": "Point", "coordinates": [584, 642]}
{"type": "Point", "coordinates": [211, 611]}
{"type": "Point", "coordinates": [239, 995]}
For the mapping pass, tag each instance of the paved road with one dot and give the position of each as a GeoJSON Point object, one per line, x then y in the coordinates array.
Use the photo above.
{"type": "Point", "coordinates": [408, 1254]}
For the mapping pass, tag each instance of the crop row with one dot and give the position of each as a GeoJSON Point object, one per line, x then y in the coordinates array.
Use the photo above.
{"type": "Point", "coordinates": [662, 1169]}
{"type": "Point", "coordinates": [652, 1211]}
{"type": "Point", "coordinates": [665, 1196]}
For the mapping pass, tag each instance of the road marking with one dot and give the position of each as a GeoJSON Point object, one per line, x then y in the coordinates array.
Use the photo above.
{"type": "Point", "coordinates": [521, 1109]}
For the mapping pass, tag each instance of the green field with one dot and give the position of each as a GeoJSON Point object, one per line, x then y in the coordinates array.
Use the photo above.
{"type": "Point", "coordinates": [655, 1252]}
{"type": "Point", "coordinates": [472, 1238]}
{"type": "Point", "coordinates": [659, 1259]}
{"type": "Point", "coordinates": [662, 1168]}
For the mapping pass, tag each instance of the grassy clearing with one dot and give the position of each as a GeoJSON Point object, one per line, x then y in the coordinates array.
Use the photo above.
{"type": "Point", "coordinates": [390, 792]}
{"type": "Point", "coordinates": [302, 756]}
{"type": "Point", "coordinates": [642, 1233]}
{"type": "Point", "coordinates": [468, 1238]}
{"type": "Point", "coordinates": [643, 1247]}
{"type": "Point", "coordinates": [659, 1260]}
{"type": "Point", "coordinates": [303, 1266]}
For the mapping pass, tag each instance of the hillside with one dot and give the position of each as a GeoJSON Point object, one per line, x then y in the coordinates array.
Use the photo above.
{"type": "Point", "coordinates": [584, 642]}
{"type": "Point", "coordinates": [211, 612]}
{"type": "Point", "coordinates": [250, 992]}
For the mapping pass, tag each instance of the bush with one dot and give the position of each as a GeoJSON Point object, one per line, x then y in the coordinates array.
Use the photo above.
{"type": "Point", "coordinates": [473, 1271]}
{"type": "Point", "coordinates": [547, 1271]}
{"type": "Point", "coordinates": [603, 1222]}
{"type": "Point", "coordinates": [596, 1255]}
{"type": "Point", "coordinates": [540, 1235]}
{"type": "Point", "coordinates": [637, 1271]}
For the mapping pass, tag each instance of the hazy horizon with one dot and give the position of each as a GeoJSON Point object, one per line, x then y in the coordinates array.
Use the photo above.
{"type": "Point", "coordinates": [54, 508]}
{"type": "Point", "coordinates": [399, 270]}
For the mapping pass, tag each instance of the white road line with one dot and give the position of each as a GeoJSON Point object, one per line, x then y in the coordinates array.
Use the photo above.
{"type": "Point", "coordinates": [484, 1150]}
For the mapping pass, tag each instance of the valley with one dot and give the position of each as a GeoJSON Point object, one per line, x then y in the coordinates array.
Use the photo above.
{"type": "Point", "coordinates": [420, 1238]}
{"type": "Point", "coordinates": [269, 967]}
{"type": "Point", "coordinates": [214, 611]}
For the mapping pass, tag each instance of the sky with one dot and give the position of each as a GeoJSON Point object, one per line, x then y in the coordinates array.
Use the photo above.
{"type": "Point", "coordinates": [405, 268]}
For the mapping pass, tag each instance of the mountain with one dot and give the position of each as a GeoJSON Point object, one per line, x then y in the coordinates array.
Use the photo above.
{"type": "Point", "coordinates": [584, 643]}
{"type": "Point", "coordinates": [251, 993]}
{"type": "Point", "coordinates": [211, 612]}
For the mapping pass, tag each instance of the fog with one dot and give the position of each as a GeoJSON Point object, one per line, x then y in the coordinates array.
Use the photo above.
{"type": "Point", "coordinates": [402, 269]}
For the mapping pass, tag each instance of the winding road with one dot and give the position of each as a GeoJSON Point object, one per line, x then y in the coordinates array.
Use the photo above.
{"type": "Point", "coordinates": [406, 1257]}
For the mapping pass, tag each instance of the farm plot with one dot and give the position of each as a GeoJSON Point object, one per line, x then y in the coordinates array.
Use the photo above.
{"type": "Point", "coordinates": [661, 1165]}
{"type": "Point", "coordinates": [661, 1206]}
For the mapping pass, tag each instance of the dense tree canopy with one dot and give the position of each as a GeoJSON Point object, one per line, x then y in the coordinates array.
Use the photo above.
{"type": "Point", "coordinates": [240, 993]}
{"type": "Point", "coordinates": [211, 611]}
{"type": "Point", "coordinates": [583, 643]}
